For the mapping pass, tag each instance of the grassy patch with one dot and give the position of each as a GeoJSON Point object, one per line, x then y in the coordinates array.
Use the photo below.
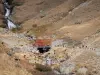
{"type": "Point", "coordinates": [98, 31]}
{"type": "Point", "coordinates": [3, 26]}
{"type": "Point", "coordinates": [16, 29]}
{"type": "Point", "coordinates": [39, 30]}
{"type": "Point", "coordinates": [43, 68]}
{"type": "Point", "coordinates": [18, 3]}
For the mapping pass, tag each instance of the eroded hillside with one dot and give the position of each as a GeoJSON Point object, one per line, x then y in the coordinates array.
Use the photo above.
{"type": "Point", "coordinates": [73, 18]}
{"type": "Point", "coordinates": [76, 22]}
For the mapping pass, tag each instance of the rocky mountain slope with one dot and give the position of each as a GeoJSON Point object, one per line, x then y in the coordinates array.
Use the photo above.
{"type": "Point", "coordinates": [73, 18]}
{"type": "Point", "coordinates": [74, 21]}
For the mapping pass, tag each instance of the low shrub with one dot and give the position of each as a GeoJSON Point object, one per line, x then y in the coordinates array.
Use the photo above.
{"type": "Point", "coordinates": [43, 68]}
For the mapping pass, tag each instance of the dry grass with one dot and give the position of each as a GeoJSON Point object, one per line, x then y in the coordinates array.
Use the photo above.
{"type": "Point", "coordinates": [39, 30]}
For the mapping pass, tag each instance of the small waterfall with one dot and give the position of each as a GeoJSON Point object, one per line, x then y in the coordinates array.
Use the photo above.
{"type": "Point", "coordinates": [7, 8]}
{"type": "Point", "coordinates": [7, 12]}
{"type": "Point", "coordinates": [10, 24]}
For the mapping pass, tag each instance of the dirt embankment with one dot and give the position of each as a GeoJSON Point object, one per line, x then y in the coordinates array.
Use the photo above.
{"type": "Point", "coordinates": [1, 13]}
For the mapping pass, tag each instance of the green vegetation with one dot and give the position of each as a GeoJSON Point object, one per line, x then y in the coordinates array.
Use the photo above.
{"type": "Point", "coordinates": [16, 29]}
{"type": "Point", "coordinates": [17, 3]}
{"type": "Point", "coordinates": [43, 68]}
{"type": "Point", "coordinates": [3, 26]}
